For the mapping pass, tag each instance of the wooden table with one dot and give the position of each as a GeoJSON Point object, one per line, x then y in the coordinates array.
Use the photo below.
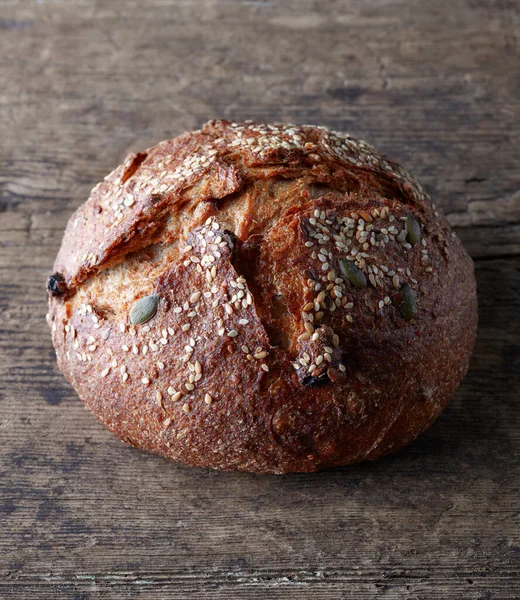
{"type": "Point", "coordinates": [435, 85]}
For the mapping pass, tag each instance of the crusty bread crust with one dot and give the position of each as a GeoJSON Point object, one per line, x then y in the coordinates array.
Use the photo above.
{"type": "Point", "coordinates": [265, 354]}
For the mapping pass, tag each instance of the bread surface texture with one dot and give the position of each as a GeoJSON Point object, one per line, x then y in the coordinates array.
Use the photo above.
{"type": "Point", "coordinates": [262, 297]}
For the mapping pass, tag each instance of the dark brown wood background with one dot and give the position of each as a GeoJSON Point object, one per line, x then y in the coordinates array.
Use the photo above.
{"type": "Point", "coordinates": [436, 85]}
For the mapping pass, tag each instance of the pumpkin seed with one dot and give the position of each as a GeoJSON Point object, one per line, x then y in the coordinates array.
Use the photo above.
{"type": "Point", "coordinates": [310, 381]}
{"type": "Point", "coordinates": [413, 229]}
{"type": "Point", "coordinates": [354, 274]}
{"type": "Point", "coordinates": [408, 305]}
{"type": "Point", "coordinates": [56, 284]}
{"type": "Point", "coordinates": [144, 309]}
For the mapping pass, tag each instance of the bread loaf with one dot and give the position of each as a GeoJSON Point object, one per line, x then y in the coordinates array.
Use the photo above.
{"type": "Point", "coordinates": [267, 298]}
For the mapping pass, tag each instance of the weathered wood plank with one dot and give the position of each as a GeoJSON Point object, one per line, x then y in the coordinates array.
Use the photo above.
{"type": "Point", "coordinates": [435, 85]}
{"type": "Point", "coordinates": [259, 585]}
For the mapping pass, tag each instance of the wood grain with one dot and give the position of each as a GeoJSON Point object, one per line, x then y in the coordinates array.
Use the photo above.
{"type": "Point", "coordinates": [435, 86]}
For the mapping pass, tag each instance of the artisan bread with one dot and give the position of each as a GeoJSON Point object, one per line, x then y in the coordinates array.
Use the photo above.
{"type": "Point", "coordinates": [266, 298]}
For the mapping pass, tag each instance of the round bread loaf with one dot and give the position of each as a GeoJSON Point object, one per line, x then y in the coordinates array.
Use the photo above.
{"type": "Point", "coordinates": [267, 298]}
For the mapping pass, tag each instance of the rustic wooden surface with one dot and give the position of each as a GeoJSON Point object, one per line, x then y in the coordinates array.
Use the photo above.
{"type": "Point", "coordinates": [434, 84]}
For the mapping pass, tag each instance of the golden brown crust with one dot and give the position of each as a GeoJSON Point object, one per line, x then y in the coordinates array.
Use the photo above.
{"type": "Point", "coordinates": [263, 355]}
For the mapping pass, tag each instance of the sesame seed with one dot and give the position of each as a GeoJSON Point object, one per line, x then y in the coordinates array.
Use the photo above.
{"type": "Point", "coordinates": [194, 297]}
{"type": "Point", "coordinates": [125, 377]}
{"type": "Point", "coordinates": [105, 372]}
{"type": "Point", "coordinates": [189, 386]}
{"type": "Point", "coordinates": [261, 354]}
{"type": "Point", "coordinates": [145, 380]}
{"type": "Point", "coordinates": [265, 367]}
{"type": "Point", "coordinates": [208, 399]}
{"type": "Point", "coordinates": [186, 408]}
{"type": "Point", "coordinates": [304, 336]}
{"type": "Point", "coordinates": [233, 333]}
{"type": "Point", "coordinates": [186, 327]}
